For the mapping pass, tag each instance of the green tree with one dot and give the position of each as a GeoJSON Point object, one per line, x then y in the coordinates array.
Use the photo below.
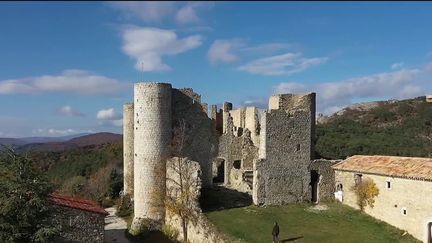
{"type": "Point", "coordinates": [24, 206]}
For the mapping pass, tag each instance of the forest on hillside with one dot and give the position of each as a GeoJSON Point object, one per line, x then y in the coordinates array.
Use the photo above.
{"type": "Point", "coordinates": [402, 128]}
{"type": "Point", "coordinates": [94, 171]}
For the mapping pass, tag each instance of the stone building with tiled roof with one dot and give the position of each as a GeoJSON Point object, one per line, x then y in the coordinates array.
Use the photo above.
{"type": "Point", "coordinates": [405, 190]}
{"type": "Point", "coordinates": [80, 220]}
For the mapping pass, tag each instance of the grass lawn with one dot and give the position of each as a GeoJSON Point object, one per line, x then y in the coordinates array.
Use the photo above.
{"type": "Point", "coordinates": [301, 224]}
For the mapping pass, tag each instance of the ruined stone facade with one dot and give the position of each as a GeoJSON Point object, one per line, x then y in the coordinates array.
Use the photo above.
{"type": "Point", "coordinates": [157, 110]}
{"type": "Point", "coordinates": [128, 148]}
{"type": "Point", "coordinates": [322, 180]}
{"type": "Point", "coordinates": [281, 174]}
{"type": "Point", "coordinates": [265, 153]}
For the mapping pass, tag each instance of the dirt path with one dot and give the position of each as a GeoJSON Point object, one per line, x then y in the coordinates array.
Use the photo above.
{"type": "Point", "coordinates": [115, 227]}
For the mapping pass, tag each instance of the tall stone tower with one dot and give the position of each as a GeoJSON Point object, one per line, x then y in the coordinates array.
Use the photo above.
{"type": "Point", "coordinates": [152, 139]}
{"type": "Point", "coordinates": [128, 149]}
{"type": "Point", "coordinates": [286, 148]}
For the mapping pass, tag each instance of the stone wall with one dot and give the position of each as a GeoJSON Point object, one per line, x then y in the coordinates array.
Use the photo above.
{"type": "Point", "coordinates": [199, 229]}
{"type": "Point", "coordinates": [201, 137]}
{"type": "Point", "coordinates": [415, 196]}
{"type": "Point", "coordinates": [225, 114]}
{"type": "Point", "coordinates": [236, 148]}
{"type": "Point", "coordinates": [78, 225]}
{"type": "Point", "coordinates": [128, 149]}
{"type": "Point", "coordinates": [326, 183]}
{"type": "Point", "coordinates": [282, 174]}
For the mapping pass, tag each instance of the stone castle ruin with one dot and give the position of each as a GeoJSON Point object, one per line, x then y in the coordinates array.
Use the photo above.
{"type": "Point", "coordinates": [266, 153]}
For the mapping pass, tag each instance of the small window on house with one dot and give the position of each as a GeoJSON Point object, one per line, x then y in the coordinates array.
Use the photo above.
{"type": "Point", "coordinates": [388, 184]}
{"type": "Point", "coordinates": [237, 164]}
{"type": "Point", "coordinates": [357, 179]}
{"type": "Point", "coordinates": [339, 187]}
{"type": "Point", "coordinates": [298, 147]}
{"type": "Point", "coordinates": [404, 211]}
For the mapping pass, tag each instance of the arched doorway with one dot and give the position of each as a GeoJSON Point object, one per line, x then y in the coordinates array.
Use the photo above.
{"type": "Point", "coordinates": [315, 185]}
{"type": "Point", "coordinates": [219, 168]}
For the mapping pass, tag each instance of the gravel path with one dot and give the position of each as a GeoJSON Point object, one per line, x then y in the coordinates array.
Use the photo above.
{"type": "Point", "coordinates": [115, 227]}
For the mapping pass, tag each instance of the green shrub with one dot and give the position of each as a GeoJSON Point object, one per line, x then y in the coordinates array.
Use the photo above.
{"type": "Point", "coordinates": [170, 232]}
{"type": "Point", "coordinates": [124, 206]}
{"type": "Point", "coordinates": [73, 185]}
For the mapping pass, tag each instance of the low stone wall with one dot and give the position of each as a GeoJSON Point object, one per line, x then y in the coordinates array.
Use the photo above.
{"type": "Point", "coordinates": [78, 225]}
{"type": "Point", "coordinates": [199, 229]}
{"type": "Point", "coordinates": [237, 182]}
{"type": "Point", "coordinates": [326, 188]}
{"type": "Point", "coordinates": [202, 231]}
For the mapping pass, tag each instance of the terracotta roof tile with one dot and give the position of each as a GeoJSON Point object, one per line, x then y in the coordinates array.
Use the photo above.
{"type": "Point", "coordinates": [407, 167]}
{"type": "Point", "coordinates": [77, 203]}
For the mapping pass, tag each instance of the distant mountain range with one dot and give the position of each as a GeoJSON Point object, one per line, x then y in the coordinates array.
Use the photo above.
{"type": "Point", "coordinates": [54, 144]}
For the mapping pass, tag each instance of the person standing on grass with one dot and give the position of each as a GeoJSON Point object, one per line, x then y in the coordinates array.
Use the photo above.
{"type": "Point", "coordinates": [275, 233]}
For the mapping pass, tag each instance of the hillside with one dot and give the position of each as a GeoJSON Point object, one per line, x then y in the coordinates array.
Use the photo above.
{"type": "Point", "coordinates": [400, 128]}
{"type": "Point", "coordinates": [16, 142]}
{"type": "Point", "coordinates": [93, 171]}
{"type": "Point", "coordinates": [73, 143]}
{"type": "Point", "coordinates": [90, 166]}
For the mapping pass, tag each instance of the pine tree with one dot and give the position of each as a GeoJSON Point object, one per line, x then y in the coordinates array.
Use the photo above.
{"type": "Point", "coordinates": [24, 206]}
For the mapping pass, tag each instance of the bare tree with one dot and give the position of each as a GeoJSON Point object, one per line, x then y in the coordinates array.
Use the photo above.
{"type": "Point", "coordinates": [183, 181]}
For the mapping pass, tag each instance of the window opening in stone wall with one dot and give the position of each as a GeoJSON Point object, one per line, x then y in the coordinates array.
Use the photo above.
{"type": "Point", "coordinates": [220, 171]}
{"type": "Point", "coordinates": [237, 164]}
{"type": "Point", "coordinates": [357, 179]}
{"type": "Point", "coordinates": [429, 230]}
{"type": "Point", "coordinates": [339, 187]}
{"type": "Point", "coordinates": [388, 184]}
{"type": "Point", "coordinates": [404, 211]}
{"type": "Point", "coordinates": [298, 147]}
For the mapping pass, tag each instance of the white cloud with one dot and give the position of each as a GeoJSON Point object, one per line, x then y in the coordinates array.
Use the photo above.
{"type": "Point", "coordinates": [109, 117]}
{"type": "Point", "coordinates": [148, 45]}
{"type": "Point", "coordinates": [397, 65]}
{"type": "Point", "coordinates": [158, 12]}
{"type": "Point", "coordinates": [332, 96]}
{"type": "Point", "coordinates": [70, 81]}
{"type": "Point", "coordinates": [56, 132]}
{"type": "Point", "coordinates": [68, 111]}
{"type": "Point", "coordinates": [108, 114]}
{"type": "Point", "coordinates": [285, 64]}
{"type": "Point", "coordinates": [53, 132]}
{"type": "Point", "coordinates": [187, 15]}
{"type": "Point", "coordinates": [147, 11]}
{"type": "Point", "coordinates": [222, 51]}
{"type": "Point", "coordinates": [267, 47]}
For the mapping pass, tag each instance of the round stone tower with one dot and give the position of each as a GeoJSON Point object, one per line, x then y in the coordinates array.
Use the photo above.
{"type": "Point", "coordinates": [152, 139]}
{"type": "Point", "coordinates": [128, 148]}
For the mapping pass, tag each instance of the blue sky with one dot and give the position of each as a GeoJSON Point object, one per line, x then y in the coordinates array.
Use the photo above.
{"type": "Point", "coordinates": [68, 67]}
